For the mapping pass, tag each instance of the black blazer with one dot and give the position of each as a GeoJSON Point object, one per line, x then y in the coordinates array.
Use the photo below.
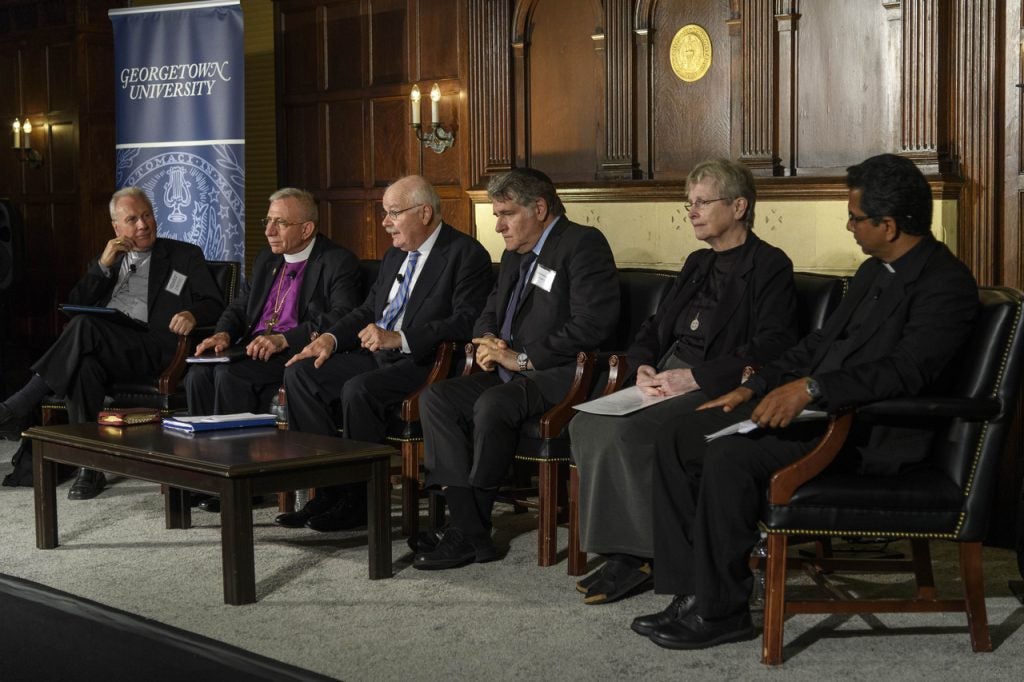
{"type": "Point", "coordinates": [916, 327]}
{"type": "Point", "coordinates": [199, 294]}
{"type": "Point", "coordinates": [753, 323]}
{"type": "Point", "coordinates": [578, 314]}
{"type": "Point", "coordinates": [330, 288]}
{"type": "Point", "coordinates": [447, 297]}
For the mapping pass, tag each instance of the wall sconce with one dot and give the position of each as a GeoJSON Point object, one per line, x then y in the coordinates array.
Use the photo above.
{"type": "Point", "coordinates": [438, 139]}
{"type": "Point", "coordinates": [23, 143]}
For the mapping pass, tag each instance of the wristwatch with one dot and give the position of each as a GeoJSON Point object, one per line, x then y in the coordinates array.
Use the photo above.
{"type": "Point", "coordinates": [813, 389]}
{"type": "Point", "coordinates": [524, 360]}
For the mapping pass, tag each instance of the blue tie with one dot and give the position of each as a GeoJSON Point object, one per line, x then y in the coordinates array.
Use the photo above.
{"type": "Point", "coordinates": [394, 309]}
{"type": "Point", "coordinates": [513, 305]}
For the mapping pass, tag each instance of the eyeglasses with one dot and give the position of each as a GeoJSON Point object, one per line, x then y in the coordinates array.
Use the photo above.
{"type": "Point", "coordinates": [395, 212]}
{"type": "Point", "coordinates": [701, 203]}
{"type": "Point", "coordinates": [856, 218]}
{"type": "Point", "coordinates": [278, 223]}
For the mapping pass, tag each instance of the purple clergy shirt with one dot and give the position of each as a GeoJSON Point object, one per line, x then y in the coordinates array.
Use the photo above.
{"type": "Point", "coordinates": [284, 297]}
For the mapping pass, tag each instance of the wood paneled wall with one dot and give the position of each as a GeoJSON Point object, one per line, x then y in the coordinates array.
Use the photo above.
{"type": "Point", "coordinates": [345, 72]}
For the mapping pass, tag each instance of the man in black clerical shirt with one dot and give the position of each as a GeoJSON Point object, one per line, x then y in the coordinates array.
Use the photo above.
{"type": "Point", "coordinates": [909, 308]}
{"type": "Point", "coordinates": [162, 283]}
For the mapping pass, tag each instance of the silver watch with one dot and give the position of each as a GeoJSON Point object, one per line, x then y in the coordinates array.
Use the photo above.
{"type": "Point", "coordinates": [524, 361]}
{"type": "Point", "coordinates": [813, 389]}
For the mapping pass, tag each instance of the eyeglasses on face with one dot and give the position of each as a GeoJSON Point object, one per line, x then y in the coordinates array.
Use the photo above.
{"type": "Point", "coordinates": [850, 218]}
{"type": "Point", "coordinates": [395, 212]}
{"type": "Point", "coordinates": [701, 203]}
{"type": "Point", "coordinates": [278, 223]}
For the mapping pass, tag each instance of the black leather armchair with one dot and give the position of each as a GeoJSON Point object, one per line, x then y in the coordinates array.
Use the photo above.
{"type": "Point", "coordinates": [161, 392]}
{"type": "Point", "coordinates": [948, 496]}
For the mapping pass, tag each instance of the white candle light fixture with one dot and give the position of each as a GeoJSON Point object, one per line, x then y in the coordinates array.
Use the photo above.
{"type": "Point", "coordinates": [22, 146]}
{"type": "Point", "coordinates": [438, 139]}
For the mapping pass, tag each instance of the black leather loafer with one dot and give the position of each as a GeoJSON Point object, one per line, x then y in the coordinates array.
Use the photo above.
{"type": "Point", "coordinates": [88, 485]}
{"type": "Point", "coordinates": [298, 518]}
{"type": "Point", "coordinates": [426, 540]}
{"type": "Point", "coordinates": [344, 516]}
{"type": "Point", "coordinates": [694, 632]}
{"type": "Point", "coordinates": [456, 550]}
{"type": "Point", "coordinates": [679, 608]}
{"type": "Point", "coordinates": [212, 504]}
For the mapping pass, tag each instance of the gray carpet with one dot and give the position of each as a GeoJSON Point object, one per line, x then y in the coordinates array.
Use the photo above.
{"type": "Point", "coordinates": [503, 620]}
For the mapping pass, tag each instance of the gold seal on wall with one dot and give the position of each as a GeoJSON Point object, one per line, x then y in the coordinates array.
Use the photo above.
{"type": "Point", "coordinates": [690, 53]}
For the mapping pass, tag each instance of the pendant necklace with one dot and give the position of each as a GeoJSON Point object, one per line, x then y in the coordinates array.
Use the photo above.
{"type": "Point", "coordinates": [695, 323]}
{"type": "Point", "coordinates": [279, 301]}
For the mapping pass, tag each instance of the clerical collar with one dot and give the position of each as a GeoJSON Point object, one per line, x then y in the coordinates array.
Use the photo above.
{"type": "Point", "coordinates": [301, 255]}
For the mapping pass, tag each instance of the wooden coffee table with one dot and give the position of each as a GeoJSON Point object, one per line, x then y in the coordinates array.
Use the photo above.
{"type": "Point", "coordinates": [234, 464]}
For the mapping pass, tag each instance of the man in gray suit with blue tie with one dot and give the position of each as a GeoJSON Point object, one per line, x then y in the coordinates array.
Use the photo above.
{"type": "Point", "coordinates": [431, 285]}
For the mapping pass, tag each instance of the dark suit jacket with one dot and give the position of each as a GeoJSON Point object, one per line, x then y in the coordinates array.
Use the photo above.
{"type": "Point", "coordinates": [578, 314]}
{"type": "Point", "coordinates": [447, 297]}
{"type": "Point", "coordinates": [918, 324]}
{"type": "Point", "coordinates": [753, 323]}
{"type": "Point", "coordinates": [330, 289]}
{"type": "Point", "coordinates": [199, 295]}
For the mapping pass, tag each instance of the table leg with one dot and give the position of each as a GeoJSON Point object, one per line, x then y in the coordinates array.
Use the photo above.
{"type": "Point", "coordinates": [177, 508]}
{"type": "Point", "coordinates": [44, 485]}
{"type": "Point", "coordinates": [237, 545]}
{"type": "Point", "coordinates": [378, 513]}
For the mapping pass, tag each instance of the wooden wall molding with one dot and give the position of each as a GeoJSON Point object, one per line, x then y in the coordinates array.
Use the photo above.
{"type": "Point", "coordinates": [619, 158]}
{"type": "Point", "coordinates": [490, 106]}
{"type": "Point", "coordinates": [757, 87]}
{"type": "Point", "coordinates": [924, 123]}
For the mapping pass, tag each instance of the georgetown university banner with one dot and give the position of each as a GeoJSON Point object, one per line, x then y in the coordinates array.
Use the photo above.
{"type": "Point", "coordinates": [181, 119]}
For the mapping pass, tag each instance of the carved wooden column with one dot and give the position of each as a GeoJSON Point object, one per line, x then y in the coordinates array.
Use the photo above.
{"type": "Point", "coordinates": [618, 158]}
{"type": "Point", "coordinates": [924, 126]}
{"type": "Point", "coordinates": [787, 17]}
{"type": "Point", "coordinates": [643, 51]}
{"type": "Point", "coordinates": [758, 87]}
{"type": "Point", "coordinates": [978, 133]}
{"type": "Point", "coordinates": [490, 101]}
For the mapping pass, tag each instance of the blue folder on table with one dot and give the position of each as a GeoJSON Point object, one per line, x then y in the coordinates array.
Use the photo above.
{"type": "Point", "coordinates": [242, 420]}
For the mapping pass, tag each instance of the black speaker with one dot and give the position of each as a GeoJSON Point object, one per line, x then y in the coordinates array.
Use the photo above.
{"type": "Point", "coordinates": [10, 240]}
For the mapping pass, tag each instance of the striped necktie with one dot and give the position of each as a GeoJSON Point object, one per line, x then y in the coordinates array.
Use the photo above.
{"type": "Point", "coordinates": [394, 309]}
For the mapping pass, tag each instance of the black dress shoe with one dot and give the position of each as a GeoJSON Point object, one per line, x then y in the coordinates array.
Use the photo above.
{"type": "Point", "coordinates": [426, 540]}
{"type": "Point", "coordinates": [681, 605]}
{"type": "Point", "coordinates": [694, 632]}
{"type": "Point", "coordinates": [455, 550]}
{"type": "Point", "coordinates": [299, 517]}
{"type": "Point", "coordinates": [88, 485]}
{"type": "Point", "coordinates": [196, 499]}
{"type": "Point", "coordinates": [12, 426]}
{"type": "Point", "coordinates": [345, 515]}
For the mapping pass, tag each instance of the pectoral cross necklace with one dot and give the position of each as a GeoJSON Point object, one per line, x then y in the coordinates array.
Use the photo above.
{"type": "Point", "coordinates": [279, 300]}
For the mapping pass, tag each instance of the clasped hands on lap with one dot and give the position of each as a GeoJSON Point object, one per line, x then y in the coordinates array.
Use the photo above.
{"type": "Point", "coordinates": [668, 383]}
{"type": "Point", "coordinates": [262, 347]}
{"type": "Point", "coordinates": [492, 352]}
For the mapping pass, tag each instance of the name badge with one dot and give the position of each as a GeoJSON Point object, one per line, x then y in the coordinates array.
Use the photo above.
{"type": "Point", "coordinates": [176, 282]}
{"type": "Point", "coordinates": [543, 277]}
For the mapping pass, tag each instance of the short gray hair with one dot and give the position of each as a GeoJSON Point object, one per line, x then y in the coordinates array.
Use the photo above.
{"type": "Point", "coordinates": [124, 192]}
{"type": "Point", "coordinates": [733, 180]}
{"type": "Point", "coordinates": [310, 210]}
{"type": "Point", "coordinates": [524, 186]}
{"type": "Point", "coordinates": [422, 192]}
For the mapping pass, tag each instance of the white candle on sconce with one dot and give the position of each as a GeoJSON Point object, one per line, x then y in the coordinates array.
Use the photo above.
{"type": "Point", "coordinates": [17, 134]}
{"type": "Point", "coordinates": [26, 133]}
{"type": "Point", "coordinates": [435, 98]}
{"type": "Point", "coordinates": [415, 99]}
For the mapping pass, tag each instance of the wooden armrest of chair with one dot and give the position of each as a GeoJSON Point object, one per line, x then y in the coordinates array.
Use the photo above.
{"type": "Point", "coordinates": [169, 378]}
{"type": "Point", "coordinates": [442, 365]}
{"type": "Point", "coordinates": [618, 369]}
{"type": "Point", "coordinates": [786, 480]}
{"type": "Point", "coordinates": [555, 419]}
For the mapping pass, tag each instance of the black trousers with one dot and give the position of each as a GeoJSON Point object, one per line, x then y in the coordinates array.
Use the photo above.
{"type": "Point", "coordinates": [707, 501]}
{"type": "Point", "coordinates": [244, 386]}
{"type": "Point", "coordinates": [471, 427]}
{"type": "Point", "coordinates": [367, 384]}
{"type": "Point", "coordinates": [90, 354]}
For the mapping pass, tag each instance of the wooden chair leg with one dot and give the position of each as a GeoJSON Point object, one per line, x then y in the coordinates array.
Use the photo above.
{"type": "Point", "coordinates": [547, 517]}
{"type": "Point", "coordinates": [974, 595]}
{"type": "Point", "coordinates": [577, 557]}
{"type": "Point", "coordinates": [774, 600]}
{"type": "Point", "coordinates": [920, 552]}
{"type": "Point", "coordinates": [410, 488]}
{"type": "Point", "coordinates": [286, 502]}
